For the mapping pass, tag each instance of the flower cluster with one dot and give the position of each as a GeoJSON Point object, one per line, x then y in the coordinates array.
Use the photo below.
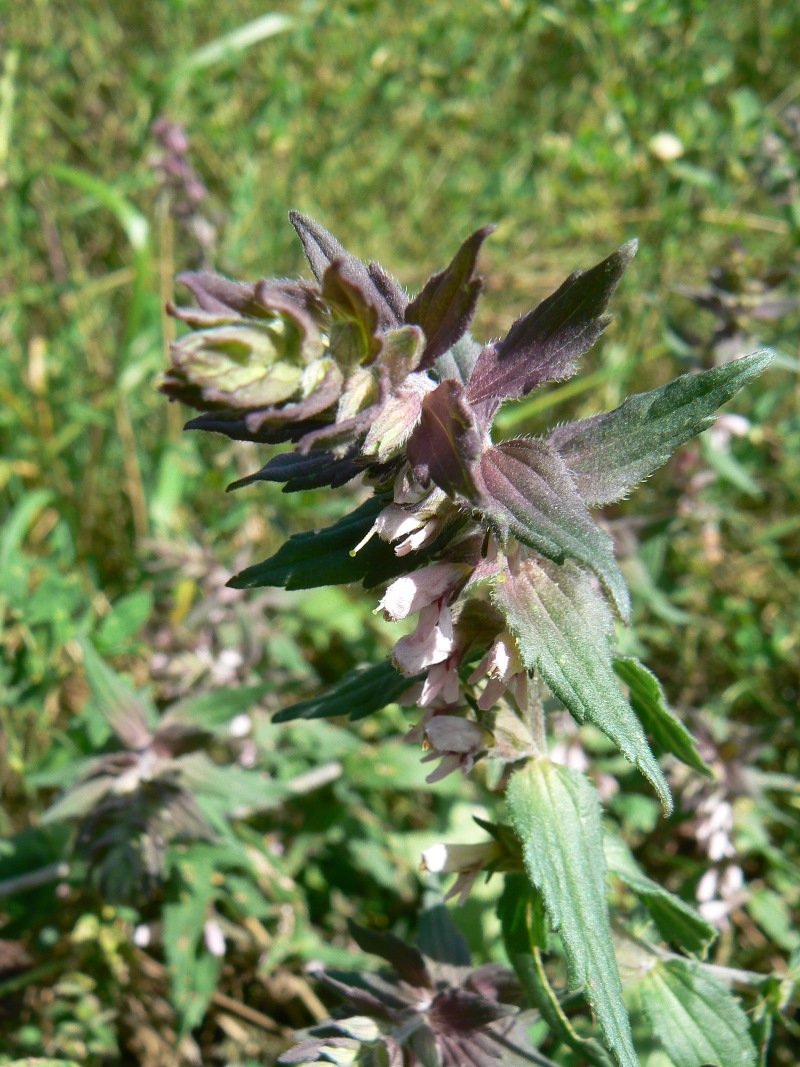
{"type": "Point", "coordinates": [491, 547]}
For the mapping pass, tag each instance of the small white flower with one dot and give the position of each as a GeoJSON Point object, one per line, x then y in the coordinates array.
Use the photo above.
{"type": "Point", "coordinates": [467, 861]}
{"type": "Point", "coordinates": [666, 147]}
{"type": "Point", "coordinates": [214, 938]}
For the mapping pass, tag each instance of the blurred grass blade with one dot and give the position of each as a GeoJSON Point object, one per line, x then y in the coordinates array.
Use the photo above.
{"type": "Point", "coordinates": [132, 221]}
{"type": "Point", "coordinates": [8, 86]}
{"type": "Point", "coordinates": [17, 524]}
{"type": "Point", "coordinates": [134, 225]}
{"type": "Point", "coordinates": [231, 44]}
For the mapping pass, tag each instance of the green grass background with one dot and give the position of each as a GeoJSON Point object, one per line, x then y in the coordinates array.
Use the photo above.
{"type": "Point", "coordinates": [401, 129]}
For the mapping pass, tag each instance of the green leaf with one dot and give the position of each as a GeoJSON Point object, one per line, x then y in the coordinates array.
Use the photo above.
{"type": "Point", "coordinates": [79, 800]}
{"type": "Point", "coordinates": [211, 711]}
{"type": "Point", "coordinates": [193, 971]}
{"type": "Point", "coordinates": [17, 523]}
{"type": "Point", "coordinates": [438, 936]}
{"type": "Point", "coordinates": [650, 704]}
{"type": "Point", "coordinates": [522, 918]}
{"type": "Point", "coordinates": [128, 616]}
{"type": "Point", "coordinates": [231, 790]}
{"type": "Point", "coordinates": [526, 490]}
{"type": "Point", "coordinates": [360, 693]}
{"type": "Point", "coordinates": [130, 715]}
{"type": "Point", "coordinates": [696, 1018]}
{"type": "Point", "coordinates": [611, 452]}
{"type": "Point", "coordinates": [325, 557]}
{"type": "Point", "coordinates": [677, 921]}
{"type": "Point", "coordinates": [556, 814]}
{"type": "Point", "coordinates": [562, 628]}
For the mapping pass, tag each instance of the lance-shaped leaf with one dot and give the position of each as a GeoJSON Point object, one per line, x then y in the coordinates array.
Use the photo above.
{"type": "Point", "coordinates": [406, 960]}
{"type": "Point", "coordinates": [611, 452]}
{"type": "Point", "coordinates": [524, 924]}
{"type": "Point", "coordinates": [526, 490]}
{"type": "Point", "coordinates": [327, 557]}
{"type": "Point", "coordinates": [696, 1018]}
{"type": "Point", "coordinates": [220, 295]}
{"type": "Point", "coordinates": [322, 248]}
{"type": "Point", "coordinates": [546, 344]}
{"type": "Point", "coordinates": [360, 693]}
{"type": "Point", "coordinates": [562, 628]}
{"type": "Point", "coordinates": [445, 444]}
{"type": "Point", "coordinates": [298, 471]}
{"type": "Point", "coordinates": [556, 814]}
{"type": "Point", "coordinates": [391, 291]}
{"type": "Point", "coordinates": [446, 304]}
{"type": "Point", "coordinates": [234, 424]}
{"type": "Point", "coordinates": [677, 921]}
{"type": "Point", "coordinates": [650, 704]}
{"type": "Point", "coordinates": [130, 715]}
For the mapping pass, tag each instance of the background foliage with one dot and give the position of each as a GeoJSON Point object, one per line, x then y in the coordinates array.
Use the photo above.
{"type": "Point", "coordinates": [402, 134]}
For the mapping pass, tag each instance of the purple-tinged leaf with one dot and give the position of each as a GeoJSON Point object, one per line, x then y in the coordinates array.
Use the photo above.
{"type": "Point", "coordinates": [366, 1003]}
{"type": "Point", "coordinates": [526, 491]}
{"type": "Point", "coordinates": [406, 960]}
{"type": "Point", "coordinates": [401, 353]}
{"type": "Point", "coordinates": [446, 442]}
{"type": "Point", "coordinates": [233, 424]}
{"type": "Point", "coordinates": [130, 715]}
{"type": "Point", "coordinates": [391, 291]}
{"type": "Point", "coordinates": [446, 304]}
{"type": "Point", "coordinates": [301, 472]}
{"type": "Point", "coordinates": [339, 436]}
{"type": "Point", "coordinates": [458, 1009]}
{"type": "Point", "coordinates": [220, 295]}
{"type": "Point", "coordinates": [610, 452]}
{"type": "Point", "coordinates": [394, 424]}
{"type": "Point", "coordinates": [546, 344]}
{"type": "Point", "coordinates": [354, 338]}
{"type": "Point", "coordinates": [322, 248]}
{"type": "Point", "coordinates": [562, 629]}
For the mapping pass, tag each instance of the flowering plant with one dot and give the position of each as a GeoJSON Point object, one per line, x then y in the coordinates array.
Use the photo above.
{"type": "Point", "coordinates": [492, 546]}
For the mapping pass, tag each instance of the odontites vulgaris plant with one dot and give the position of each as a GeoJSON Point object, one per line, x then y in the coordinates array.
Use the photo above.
{"type": "Point", "coordinates": [492, 547]}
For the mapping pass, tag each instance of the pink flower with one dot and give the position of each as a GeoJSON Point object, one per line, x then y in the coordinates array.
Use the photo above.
{"type": "Point", "coordinates": [412, 592]}
{"type": "Point", "coordinates": [503, 667]}
{"type": "Point", "coordinates": [431, 642]}
{"type": "Point", "coordinates": [457, 741]}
